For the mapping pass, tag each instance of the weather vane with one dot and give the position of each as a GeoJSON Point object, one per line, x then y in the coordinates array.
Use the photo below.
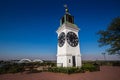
{"type": "Point", "coordinates": [66, 8]}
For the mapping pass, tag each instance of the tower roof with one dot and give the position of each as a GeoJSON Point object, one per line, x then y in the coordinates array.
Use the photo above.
{"type": "Point", "coordinates": [67, 17]}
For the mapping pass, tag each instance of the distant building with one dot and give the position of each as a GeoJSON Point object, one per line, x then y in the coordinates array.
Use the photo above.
{"type": "Point", "coordinates": [38, 60]}
{"type": "Point", "coordinates": [28, 61]}
{"type": "Point", "coordinates": [25, 61]}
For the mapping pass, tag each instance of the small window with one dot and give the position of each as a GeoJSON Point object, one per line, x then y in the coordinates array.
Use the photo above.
{"type": "Point", "coordinates": [70, 19]}
{"type": "Point", "coordinates": [69, 61]}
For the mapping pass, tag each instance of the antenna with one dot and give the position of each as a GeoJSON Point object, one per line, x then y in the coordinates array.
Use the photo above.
{"type": "Point", "coordinates": [66, 8]}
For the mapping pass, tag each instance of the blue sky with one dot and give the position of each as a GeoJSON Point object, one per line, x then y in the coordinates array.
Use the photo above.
{"type": "Point", "coordinates": [28, 28]}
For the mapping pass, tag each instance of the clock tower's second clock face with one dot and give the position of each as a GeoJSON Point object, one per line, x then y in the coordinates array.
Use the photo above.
{"type": "Point", "coordinates": [61, 39]}
{"type": "Point", "coordinates": [72, 39]}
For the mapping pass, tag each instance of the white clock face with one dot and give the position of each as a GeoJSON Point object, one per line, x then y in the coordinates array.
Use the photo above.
{"type": "Point", "coordinates": [72, 39]}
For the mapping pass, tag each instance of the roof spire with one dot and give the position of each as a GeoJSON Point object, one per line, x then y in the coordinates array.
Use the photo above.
{"type": "Point", "coordinates": [66, 9]}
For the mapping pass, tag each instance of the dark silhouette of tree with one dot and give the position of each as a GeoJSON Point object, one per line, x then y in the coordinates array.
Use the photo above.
{"type": "Point", "coordinates": [111, 37]}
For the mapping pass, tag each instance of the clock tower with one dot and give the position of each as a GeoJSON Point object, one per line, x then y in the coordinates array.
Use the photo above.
{"type": "Point", "coordinates": [68, 50]}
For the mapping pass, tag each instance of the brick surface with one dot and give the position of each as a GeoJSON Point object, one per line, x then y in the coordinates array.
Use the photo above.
{"type": "Point", "coordinates": [106, 73]}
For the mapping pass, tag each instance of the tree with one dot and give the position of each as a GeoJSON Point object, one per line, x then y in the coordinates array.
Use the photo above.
{"type": "Point", "coordinates": [111, 37]}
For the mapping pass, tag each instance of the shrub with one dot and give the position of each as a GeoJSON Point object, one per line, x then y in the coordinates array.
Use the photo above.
{"type": "Point", "coordinates": [90, 67]}
{"type": "Point", "coordinates": [116, 63]}
{"type": "Point", "coordinates": [11, 68]}
{"type": "Point", "coordinates": [2, 70]}
{"type": "Point", "coordinates": [85, 67]}
{"type": "Point", "coordinates": [67, 70]}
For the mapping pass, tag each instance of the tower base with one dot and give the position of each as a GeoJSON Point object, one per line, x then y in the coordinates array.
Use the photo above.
{"type": "Point", "coordinates": [69, 61]}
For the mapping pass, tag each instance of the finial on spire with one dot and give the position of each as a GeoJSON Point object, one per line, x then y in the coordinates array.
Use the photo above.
{"type": "Point", "coordinates": [66, 8]}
